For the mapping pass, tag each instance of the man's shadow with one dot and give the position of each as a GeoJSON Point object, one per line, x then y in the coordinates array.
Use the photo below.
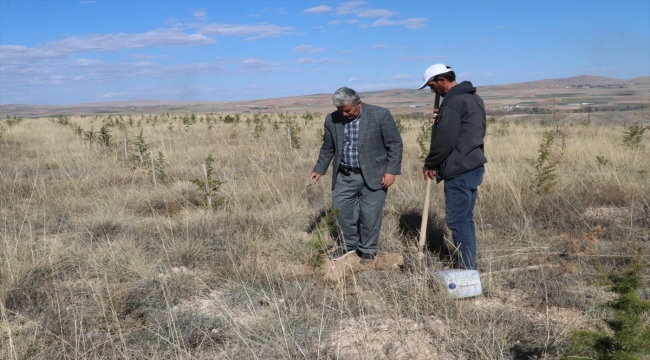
{"type": "Point", "coordinates": [409, 225]}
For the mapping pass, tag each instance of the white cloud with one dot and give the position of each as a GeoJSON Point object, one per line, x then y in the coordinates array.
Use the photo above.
{"type": "Point", "coordinates": [380, 46]}
{"type": "Point", "coordinates": [308, 49]}
{"type": "Point", "coordinates": [318, 70]}
{"type": "Point", "coordinates": [88, 62]}
{"type": "Point", "coordinates": [201, 15]}
{"type": "Point", "coordinates": [318, 10]}
{"type": "Point", "coordinates": [18, 53]}
{"type": "Point", "coordinates": [351, 7]}
{"type": "Point", "coordinates": [318, 61]}
{"type": "Point", "coordinates": [411, 24]}
{"type": "Point", "coordinates": [190, 69]}
{"type": "Point", "coordinates": [346, 21]}
{"type": "Point", "coordinates": [254, 32]}
{"type": "Point", "coordinates": [109, 42]}
{"type": "Point", "coordinates": [257, 65]}
{"type": "Point", "coordinates": [345, 52]}
{"type": "Point", "coordinates": [376, 13]}
{"type": "Point", "coordinates": [91, 71]}
{"type": "Point", "coordinates": [354, 79]}
{"type": "Point", "coordinates": [144, 63]}
{"type": "Point", "coordinates": [149, 57]}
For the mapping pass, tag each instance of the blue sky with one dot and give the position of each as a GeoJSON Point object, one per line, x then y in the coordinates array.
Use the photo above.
{"type": "Point", "coordinates": [68, 52]}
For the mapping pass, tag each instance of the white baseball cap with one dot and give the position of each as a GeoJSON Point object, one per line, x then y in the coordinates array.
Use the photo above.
{"type": "Point", "coordinates": [433, 70]}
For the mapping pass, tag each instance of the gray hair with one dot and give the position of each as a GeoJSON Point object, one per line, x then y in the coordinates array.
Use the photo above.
{"type": "Point", "coordinates": [344, 96]}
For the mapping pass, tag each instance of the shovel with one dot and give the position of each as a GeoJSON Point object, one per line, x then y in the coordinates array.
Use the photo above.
{"type": "Point", "coordinates": [423, 226]}
{"type": "Point", "coordinates": [425, 211]}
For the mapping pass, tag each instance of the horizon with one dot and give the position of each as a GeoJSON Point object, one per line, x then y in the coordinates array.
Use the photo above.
{"type": "Point", "coordinates": [75, 52]}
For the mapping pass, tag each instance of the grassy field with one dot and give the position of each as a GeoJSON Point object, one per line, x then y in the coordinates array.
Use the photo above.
{"type": "Point", "coordinates": [97, 262]}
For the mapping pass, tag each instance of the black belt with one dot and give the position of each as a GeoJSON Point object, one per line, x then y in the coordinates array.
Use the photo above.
{"type": "Point", "coordinates": [346, 171]}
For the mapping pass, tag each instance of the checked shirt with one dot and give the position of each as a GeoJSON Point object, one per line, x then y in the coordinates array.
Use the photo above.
{"type": "Point", "coordinates": [350, 153]}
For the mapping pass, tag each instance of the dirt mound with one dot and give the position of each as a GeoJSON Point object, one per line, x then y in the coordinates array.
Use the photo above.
{"type": "Point", "coordinates": [341, 269]}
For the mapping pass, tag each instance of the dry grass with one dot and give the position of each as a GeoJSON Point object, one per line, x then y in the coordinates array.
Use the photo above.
{"type": "Point", "coordinates": [96, 262]}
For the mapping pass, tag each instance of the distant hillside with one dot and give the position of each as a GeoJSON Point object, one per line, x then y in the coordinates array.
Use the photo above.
{"type": "Point", "coordinates": [602, 91]}
{"type": "Point", "coordinates": [582, 81]}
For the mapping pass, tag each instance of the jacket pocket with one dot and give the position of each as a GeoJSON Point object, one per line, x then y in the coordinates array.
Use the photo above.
{"type": "Point", "coordinates": [382, 158]}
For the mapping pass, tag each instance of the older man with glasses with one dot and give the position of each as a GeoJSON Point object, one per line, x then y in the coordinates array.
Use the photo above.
{"type": "Point", "coordinates": [365, 148]}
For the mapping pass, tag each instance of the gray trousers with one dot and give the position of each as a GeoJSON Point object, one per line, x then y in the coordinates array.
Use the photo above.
{"type": "Point", "coordinates": [361, 213]}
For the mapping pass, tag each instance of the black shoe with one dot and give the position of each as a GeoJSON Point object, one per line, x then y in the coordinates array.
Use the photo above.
{"type": "Point", "coordinates": [340, 253]}
{"type": "Point", "coordinates": [366, 258]}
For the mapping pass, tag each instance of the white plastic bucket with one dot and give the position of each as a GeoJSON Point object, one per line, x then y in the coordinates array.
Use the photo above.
{"type": "Point", "coordinates": [460, 283]}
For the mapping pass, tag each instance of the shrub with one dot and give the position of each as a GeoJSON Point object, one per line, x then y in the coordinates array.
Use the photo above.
{"type": "Point", "coordinates": [143, 151]}
{"type": "Point", "coordinates": [545, 167]}
{"type": "Point", "coordinates": [293, 132]}
{"type": "Point", "coordinates": [11, 121]}
{"type": "Point", "coordinates": [424, 140]}
{"type": "Point", "coordinates": [210, 185]}
{"type": "Point", "coordinates": [629, 336]}
{"type": "Point", "coordinates": [105, 135]}
{"type": "Point", "coordinates": [633, 136]}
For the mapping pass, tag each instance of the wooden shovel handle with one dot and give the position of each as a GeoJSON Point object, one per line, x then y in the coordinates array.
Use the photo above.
{"type": "Point", "coordinates": [425, 211]}
{"type": "Point", "coordinates": [425, 217]}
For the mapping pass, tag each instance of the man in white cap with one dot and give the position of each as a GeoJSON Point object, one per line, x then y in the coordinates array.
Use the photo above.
{"type": "Point", "coordinates": [456, 155]}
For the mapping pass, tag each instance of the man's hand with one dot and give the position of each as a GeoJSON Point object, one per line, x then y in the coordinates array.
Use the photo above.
{"type": "Point", "coordinates": [428, 173]}
{"type": "Point", "coordinates": [314, 176]}
{"type": "Point", "coordinates": [387, 180]}
{"type": "Point", "coordinates": [434, 115]}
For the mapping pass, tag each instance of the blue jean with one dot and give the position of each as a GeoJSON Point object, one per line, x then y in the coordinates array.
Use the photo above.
{"type": "Point", "coordinates": [460, 197]}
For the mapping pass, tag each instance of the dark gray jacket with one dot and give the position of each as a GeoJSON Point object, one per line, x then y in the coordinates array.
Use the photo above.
{"type": "Point", "coordinates": [458, 132]}
{"type": "Point", "coordinates": [380, 145]}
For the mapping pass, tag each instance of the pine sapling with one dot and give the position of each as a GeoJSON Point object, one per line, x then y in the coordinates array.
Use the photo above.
{"type": "Point", "coordinates": [293, 133]}
{"type": "Point", "coordinates": [326, 227]}
{"type": "Point", "coordinates": [320, 133]}
{"type": "Point", "coordinates": [629, 336]}
{"type": "Point", "coordinates": [161, 167]}
{"type": "Point", "coordinates": [400, 127]}
{"type": "Point", "coordinates": [545, 167]}
{"type": "Point", "coordinates": [91, 135]}
{"type": "Point", "coordinates": [424, 140]}
{"type": "Point", "coordinates": [633, 136]}
{"type": "Point", "coordinates": [105, 135]}
{"type": "Point", "coordinates": [209, 185]}
{"type": "Point", "coordinates": [602, 161]}
{"type": "Point", "coordinates": [12, 121]}
{"type": "Point", "coordinates": [142, 149]}
{"type": "Point", "coordinates": [259, 127]}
